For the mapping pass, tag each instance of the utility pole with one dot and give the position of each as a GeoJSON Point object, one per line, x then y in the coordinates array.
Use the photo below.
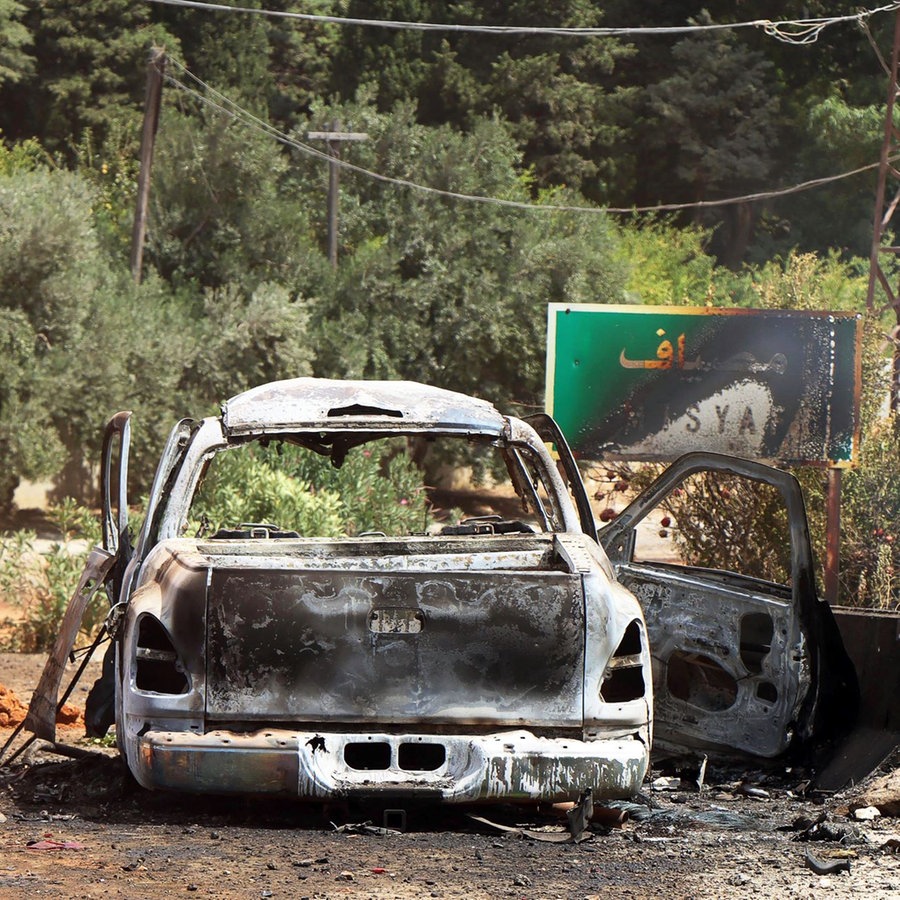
{"type": "Point", "coordinates": [155, 69]}
{"type": "Point", "coordinates": [887, 168]}
{"type": "Point", "coordinates": [890, 153]}
{"type": "Point", "coordinates": [333, 139]}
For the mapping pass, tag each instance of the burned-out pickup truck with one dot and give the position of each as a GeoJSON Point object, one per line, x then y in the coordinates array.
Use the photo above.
{"type": "Point", "coordinates": [495, 657]}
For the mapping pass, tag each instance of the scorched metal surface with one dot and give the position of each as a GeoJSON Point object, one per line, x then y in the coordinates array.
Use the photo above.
{"type": "Point", "coordinates": [458, 648]}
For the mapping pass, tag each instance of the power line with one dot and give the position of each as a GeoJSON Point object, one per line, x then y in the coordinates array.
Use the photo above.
{"type": "Point", "coordinates": [228, 107]}
{"type": "Point", "coordinates": [790, 31]}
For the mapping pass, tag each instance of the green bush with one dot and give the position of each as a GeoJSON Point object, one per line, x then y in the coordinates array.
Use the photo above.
{"type": "Point", "coordinates": [376, 489]}
{"type": "Point", "coordinates": [41, 584]}
{"type": "Point", "coordinates": [380, 487]}
{"type": "Point", "coordinates": [243, 488]}
{"type": "Point", "coordinates": [870, 549]}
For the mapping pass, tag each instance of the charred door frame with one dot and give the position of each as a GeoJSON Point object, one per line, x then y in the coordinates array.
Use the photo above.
{"type": "Point", "coordinates": [830, 705]}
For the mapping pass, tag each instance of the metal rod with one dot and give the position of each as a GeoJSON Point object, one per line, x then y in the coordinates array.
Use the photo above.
{"type": "Point", "coordinates": [833, 535]}
{"type": "Point", "coordinates": [886, 146]}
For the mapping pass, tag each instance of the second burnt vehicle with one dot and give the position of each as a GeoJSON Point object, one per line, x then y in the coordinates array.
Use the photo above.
{"type": "Point", "coordinates": [490, 658]}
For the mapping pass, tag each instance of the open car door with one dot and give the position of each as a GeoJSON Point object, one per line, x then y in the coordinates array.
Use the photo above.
{"type": "Point", "coordinates": [104, 566]}
{"type": "Point", "coordinates": [746, 657]}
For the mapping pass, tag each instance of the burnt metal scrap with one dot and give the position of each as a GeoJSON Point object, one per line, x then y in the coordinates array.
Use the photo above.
{"type": "Point", "coordinates": [494, 659]}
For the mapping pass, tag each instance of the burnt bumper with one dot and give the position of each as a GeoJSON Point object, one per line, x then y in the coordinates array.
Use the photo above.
{"type": "Point", "coordinates": [512, 765]}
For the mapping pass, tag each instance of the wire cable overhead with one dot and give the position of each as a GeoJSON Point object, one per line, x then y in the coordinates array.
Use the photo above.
{"type": "Point", "coordinates": [789, 31]}
{"type": "Point", "coordinates": [221, 103]}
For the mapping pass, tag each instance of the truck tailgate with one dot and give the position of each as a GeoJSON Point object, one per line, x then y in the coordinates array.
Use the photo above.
{"type": "Point", "coordinates": [361, 646]}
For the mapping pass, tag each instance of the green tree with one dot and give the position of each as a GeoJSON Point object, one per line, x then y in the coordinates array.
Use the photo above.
{"type": "Point", "coordinates": [222, 210]}
{"type": "Point", "coordinates": [28, 446]}
{"type": "Point", "coordinates": [451, 292]}
{"type": "Point", "coordinates": [90, 71]}
{"type": "Point", "coordinates": [558, 94]}
{"type": "Point", "coordinates": [227, 50]}
{"type": "Point", "coordinates": [243, 341]}
{"type": "Point", "coordinates": [301, 56]}
{"type": "Point", "coordinates": [837, 137]}
{"type": "Point", "coordinates": [716, 114]}
{"type": "Point", "coordinates": [15, 61]}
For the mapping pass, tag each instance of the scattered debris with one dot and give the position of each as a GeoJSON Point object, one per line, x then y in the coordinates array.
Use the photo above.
{"type": "Point", "coordinates": [666, 783]}
{"type": "Point", "coordinates": [550, 837]}
{"type": "Point", "coordinates": [47, 844]}
{"type": "Point", "coordinates": [823, 830]}
{"type": "Point", "coordinates": [364, 828]}
{"type": "Point", "coordinates": [578, 820]}
{"type": "Point", "coordinates": [701, 775]}
{"type": "Point", "coordinates": [579, 817]}
{"type": "Point", "coordinates": [866, 813]}
{"type": "Point", "coordinates": [826, 867]}
{"type": "Point", "coordinates": [749, 790]}
{"type": "Point", "coordinates": [629, 809]}
{"type": "Point", "coordinates": [712, 817]}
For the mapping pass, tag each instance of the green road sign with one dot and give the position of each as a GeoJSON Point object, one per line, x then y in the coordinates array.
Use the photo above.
{"type": "Point", "coordinates": [651, 383]}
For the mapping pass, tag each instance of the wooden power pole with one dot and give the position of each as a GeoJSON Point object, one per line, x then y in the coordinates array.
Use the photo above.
{"type": "Point", "coordinates": [890, 154]}
{"type": "Point", "coordinates": [155, 69]}
{"type": "Point", "coordinates": [334, 138]}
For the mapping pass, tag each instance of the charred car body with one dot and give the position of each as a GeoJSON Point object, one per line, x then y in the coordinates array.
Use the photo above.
{"type": "Point", "coordinates": [494, 658]}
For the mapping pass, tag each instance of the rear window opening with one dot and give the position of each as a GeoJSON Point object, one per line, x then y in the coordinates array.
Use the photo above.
{"type": "Point", "coordinates": [343, 483]}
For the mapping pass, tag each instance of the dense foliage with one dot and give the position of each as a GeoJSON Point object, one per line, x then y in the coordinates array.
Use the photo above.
{"type": "Point", "coordinates": [237, 287]}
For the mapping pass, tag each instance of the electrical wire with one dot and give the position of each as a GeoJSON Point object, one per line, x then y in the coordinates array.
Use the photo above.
{"type": "Point", "coordinates": [790, 31]}
{"type": "Point", "coordinates": [228, 107]}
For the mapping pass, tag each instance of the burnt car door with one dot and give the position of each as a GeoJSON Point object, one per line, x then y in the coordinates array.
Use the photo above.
{"type": "Point", "coordinates": [746, 657]}
{"type": "Point", "coordinates": [99, 708]}
{"type": "Point", "coordinates": [104, 567]}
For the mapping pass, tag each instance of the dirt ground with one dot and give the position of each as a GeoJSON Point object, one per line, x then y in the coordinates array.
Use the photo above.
{"type": "Point", "coordinates": [83, 828]}
{"type": "Point", "coordinates": [103, 835]}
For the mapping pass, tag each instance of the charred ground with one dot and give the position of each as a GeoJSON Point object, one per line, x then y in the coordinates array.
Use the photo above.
{"type": "Point", "coordinates": [737, 838]}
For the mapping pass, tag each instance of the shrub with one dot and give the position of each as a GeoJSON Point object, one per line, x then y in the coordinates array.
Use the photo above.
{"type": "Point", "coordinates": [377, 488]}
{"type": "Point", "coordinates": [41, 584]}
